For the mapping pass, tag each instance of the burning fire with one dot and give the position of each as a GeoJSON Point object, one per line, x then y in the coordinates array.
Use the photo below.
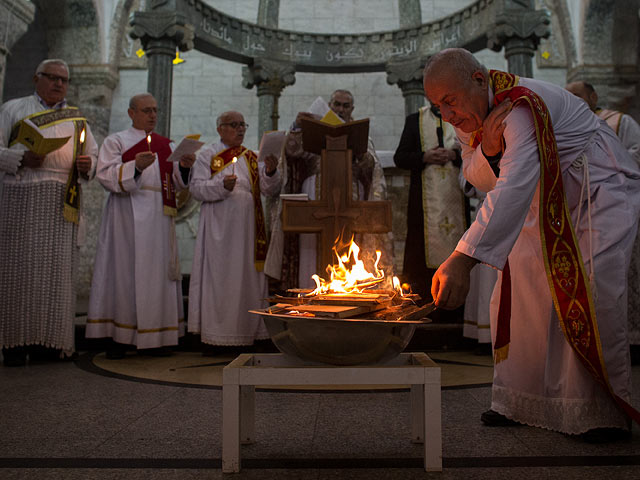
{"type": "Point", "coordinates": [350, 275]}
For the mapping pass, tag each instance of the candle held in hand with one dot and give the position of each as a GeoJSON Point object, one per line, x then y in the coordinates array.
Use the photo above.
{"type": "Point", "coordinates": [233, 165]}
{"type": "Point", "coordinates": [149, 141]}
{"type": "Point", "coordinates": [82, 137]}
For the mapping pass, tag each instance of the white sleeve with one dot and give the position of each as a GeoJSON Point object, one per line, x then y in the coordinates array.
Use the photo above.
{"type": "Point", "coordinates": [501, 217]}
{"type": "Point", "coordinates": [112, 173]}
{"type": "Point", "coordinates": [203, 186]}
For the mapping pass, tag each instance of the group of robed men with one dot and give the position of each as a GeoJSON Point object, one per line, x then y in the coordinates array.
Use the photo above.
{"type": "Point", "coordinates": [558, 223]}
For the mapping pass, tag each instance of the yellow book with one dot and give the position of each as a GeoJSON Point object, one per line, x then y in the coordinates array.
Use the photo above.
{"type": "Point", "coordinates": [331, 118]}
{"type": "Point", "coordinates": [31, 137]}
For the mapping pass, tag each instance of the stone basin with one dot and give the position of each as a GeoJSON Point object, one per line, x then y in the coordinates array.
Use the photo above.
{"type": "Point", "coordinates": [339, 341]}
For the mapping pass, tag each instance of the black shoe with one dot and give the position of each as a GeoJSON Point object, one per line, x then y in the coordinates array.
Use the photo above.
{"type": "Point", "coordinates": [116, 351]}
{"type": "Point", "coordinates": [492, 418]}
{"type": "Point", "coordinates": [635, 354]}
{"type": "Point", "coordinates": [40, 353]}
{"type": "Point", "coordinates": [483, 349]}
{"type": "Point", "coordinates": [14, 357]}
{"type": "Point", "coordinates": [606, 435]}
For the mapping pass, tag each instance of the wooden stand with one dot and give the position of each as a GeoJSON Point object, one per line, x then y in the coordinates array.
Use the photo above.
{"type": "Point", "coordinates": [240, 377]}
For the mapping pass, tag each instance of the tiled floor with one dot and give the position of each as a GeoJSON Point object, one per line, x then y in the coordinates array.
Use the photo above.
{"type": "Point", "coordinates": [83, 420]}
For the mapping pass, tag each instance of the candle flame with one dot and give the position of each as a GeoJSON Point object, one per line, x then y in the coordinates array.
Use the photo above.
{"type": "Point", "coordinates": [82, 136]}
{"type": "Point", "coordinates": [235, 159]}
{"type": "Point", "coordinates": [149, 140]}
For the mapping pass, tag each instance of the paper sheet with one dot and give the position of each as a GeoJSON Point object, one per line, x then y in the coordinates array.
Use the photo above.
{"type": "Point", "coordinates": [189, 144]}
{"type": "Point", "coordinates": [272, 143]}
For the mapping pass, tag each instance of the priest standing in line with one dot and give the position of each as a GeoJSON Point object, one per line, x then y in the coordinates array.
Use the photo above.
{"type": "Point", "coordinates": [41, 219]}
{"type": "Point", "coordinates": [559, 220]}
{"type": "Point", "coordinates": [628, 131]}
{"type": "Point", "coordinates": [136, 294]}
{"type": "Point", "coordinates": [227, 277]}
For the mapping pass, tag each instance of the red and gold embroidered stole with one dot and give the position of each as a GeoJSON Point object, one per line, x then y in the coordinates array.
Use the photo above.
{"type": "Point", "coordinates": [161, 146]}
{"type": "Point", "coordinates": [222, 160]}
{"type": "Point", "coordinates": [568, 281]}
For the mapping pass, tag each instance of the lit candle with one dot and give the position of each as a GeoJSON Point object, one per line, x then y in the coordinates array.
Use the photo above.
{"type": "Point", "coordinates": [82, 134]}
{"type": "Point", "coordinates": [233, 165]}
{"type": "Point", "coordinates": [149, 141]}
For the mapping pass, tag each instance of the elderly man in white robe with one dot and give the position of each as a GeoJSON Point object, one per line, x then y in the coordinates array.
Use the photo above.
{"type": "Point", "coordinates": [41, 219]}
{"type": "Point", "coordinates": [227, 277]}
{"type": "Point", "coordinates": [136, 294]}
{"type": "Point", "coordinates": [560, 223]}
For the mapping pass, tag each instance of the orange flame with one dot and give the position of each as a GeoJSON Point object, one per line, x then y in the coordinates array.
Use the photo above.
{"type": "Point", "coordinates": [82, 136]}
{"type": "Point", "coordinates": [350, 275]}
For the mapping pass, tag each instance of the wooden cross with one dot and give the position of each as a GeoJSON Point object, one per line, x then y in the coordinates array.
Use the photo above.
{"type": "Point", "coordinates": [335, 213]}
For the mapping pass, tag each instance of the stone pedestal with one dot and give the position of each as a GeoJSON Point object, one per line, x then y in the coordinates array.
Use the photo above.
{"type": "Point", "coordinates": [519, 32]}
{"type": "Point", "coordinates": [408, 76]}
{"type": "Point", "coordinates": [270, 78]}
{"type": "Point", "coordinates": [161, 34]}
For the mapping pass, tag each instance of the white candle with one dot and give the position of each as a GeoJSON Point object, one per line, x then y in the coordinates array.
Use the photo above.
{"type": "Point", "coordinates": [233, 165]}
{"type": "Point", "coordinates": [149, 141]}
{"type": "Point", "coordinates": [82, 135]}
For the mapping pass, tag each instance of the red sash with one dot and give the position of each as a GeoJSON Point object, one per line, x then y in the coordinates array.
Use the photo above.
{"type": "Point", "coordinates": [568, 281]}
{"type": "Point", "coordinates": [222, 160]}
{"type": "Point", "coordinates": [160, 146]}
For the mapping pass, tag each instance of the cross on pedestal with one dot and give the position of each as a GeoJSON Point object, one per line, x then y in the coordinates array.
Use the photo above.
{"type": "Point", "coordinates": [335, 213]}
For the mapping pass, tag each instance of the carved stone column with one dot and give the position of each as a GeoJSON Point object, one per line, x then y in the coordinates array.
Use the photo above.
{"type": "Point", "coordinates": [15, 17]}
{"type": "Point", "coordinates": [91, 89]}
{"type": "Point", "coordinates": [161, 33]}
{"type": "Point", "coordinates": [268, 13]}
{"type": "Point", "coordinates": [270, 78]}
{"type": "Point", "coordinates": [408, 76]}
{"type": "Point", "coordinates": [519, 32]}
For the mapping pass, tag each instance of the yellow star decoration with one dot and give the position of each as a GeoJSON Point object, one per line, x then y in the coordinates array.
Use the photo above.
{"type": "Point", "coordinates": [178, 60]}
{"type": "Point", "coordinates": [546, 55]}
{"type": "Point", "coordinates": [140, 53]}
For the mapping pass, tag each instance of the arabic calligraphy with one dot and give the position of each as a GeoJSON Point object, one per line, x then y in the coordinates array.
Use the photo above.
{"type": "Point", "coordinates": [351, 53]}
{"type": "Point", "coordinates": [249, 44]}
{"type": "Point", "coordinates": [219, 33]}
{"type": "Point", "coordinates": [296, 53]}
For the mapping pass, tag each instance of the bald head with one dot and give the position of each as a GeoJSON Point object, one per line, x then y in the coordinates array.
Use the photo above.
{"type": "Point", "coordinates": [457, 83]}
{"type": "Point", "coordinates": [143, 112]}
{"type": "Point", "coordinates": [585, 91]}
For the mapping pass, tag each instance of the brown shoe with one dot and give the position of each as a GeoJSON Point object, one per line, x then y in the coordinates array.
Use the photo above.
{"type": "Point", "coordinates": [492, 418]}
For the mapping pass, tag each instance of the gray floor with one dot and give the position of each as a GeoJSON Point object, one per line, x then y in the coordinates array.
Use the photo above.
{"type": "Point", "coordinates": [61, 421]}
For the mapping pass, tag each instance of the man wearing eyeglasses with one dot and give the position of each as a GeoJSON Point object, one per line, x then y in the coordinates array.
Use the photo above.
{"type": "Point", "coordinates": [136, 293]}
{"type": "Point", "coordinates": [227, 278]}
{"type": "Point", "coordinates": [41, 217]}
{"type": "Point", "coordinates": [292, 257]}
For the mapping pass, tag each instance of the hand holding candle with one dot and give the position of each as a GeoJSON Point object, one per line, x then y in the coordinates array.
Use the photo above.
{"type": "Point", "coordinates": [83, 162]}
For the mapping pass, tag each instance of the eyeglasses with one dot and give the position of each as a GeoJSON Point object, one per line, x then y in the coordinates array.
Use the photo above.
{"type": "Point", "coordinates": [235, 125]}
{"type": "Point", "coordinates": [54, 78]}
{"type": "Point", "coordinates": [148, 110]}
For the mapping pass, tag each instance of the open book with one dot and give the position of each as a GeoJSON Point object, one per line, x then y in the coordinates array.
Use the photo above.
{"type": "Point", "coordinates": [31, 137]}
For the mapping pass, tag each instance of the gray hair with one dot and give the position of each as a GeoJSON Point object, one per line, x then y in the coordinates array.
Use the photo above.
{"type": "Point", "coordinates": [458, 61]}
{"type": "Point", "coordinates": [52, 61]}
{"type": "Point", "coordinates": [346, 92]}
{"type": "Point", "coordinates": [133, 101]}
{"type": "Point", "coordinates": [224, 115]}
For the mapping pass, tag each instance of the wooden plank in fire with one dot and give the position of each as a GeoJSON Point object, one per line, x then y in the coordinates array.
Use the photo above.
{"type": "Point", "coordinates": [334, 311]}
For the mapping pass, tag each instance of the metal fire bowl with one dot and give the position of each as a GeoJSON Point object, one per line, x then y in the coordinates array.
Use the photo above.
{"type": "Point", "coordinates": [337, 341]}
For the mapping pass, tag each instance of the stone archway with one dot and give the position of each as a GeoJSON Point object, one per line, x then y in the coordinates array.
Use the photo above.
{"type": "Point", "coordinates": [273, 55]}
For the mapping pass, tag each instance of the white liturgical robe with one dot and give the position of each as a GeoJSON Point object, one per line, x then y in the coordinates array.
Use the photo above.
{"type": "Point", "coordinates": [225, 283]}
{"type": "Point", "coordinates": [38, 247]}
{"type": "Point", "coordinates": [135, 295]}
{"type": "Point", "coordinates": [542, 382]}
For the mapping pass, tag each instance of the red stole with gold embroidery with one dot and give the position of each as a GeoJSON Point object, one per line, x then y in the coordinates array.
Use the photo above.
{"type": "Point", "coordinates": [568, 281]}
{"type": "Point", "coordinates": [161, 146]}
{"type": "Point", "coordinates": [222, 160]}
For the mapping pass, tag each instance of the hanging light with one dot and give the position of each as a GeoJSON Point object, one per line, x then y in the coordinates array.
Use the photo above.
{"type": "Point", "coordinates": [178, 60]}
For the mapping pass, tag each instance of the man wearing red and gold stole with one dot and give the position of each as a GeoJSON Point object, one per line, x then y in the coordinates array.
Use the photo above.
{"type": "Point", "coordinates": [41, 221]}
{"type": "Point", "coordinates": [227, 277]}
{"type": "Point", "coordinates": [559, 221]}
{"type": "Point", "coordinates": [136, 294]}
